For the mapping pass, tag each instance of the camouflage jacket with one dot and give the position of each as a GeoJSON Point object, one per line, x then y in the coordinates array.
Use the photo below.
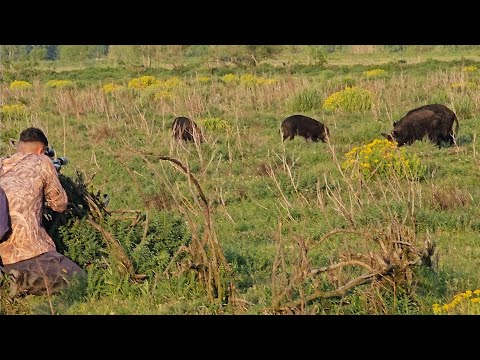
{"type": "Point", "coordinates": [27, 180]}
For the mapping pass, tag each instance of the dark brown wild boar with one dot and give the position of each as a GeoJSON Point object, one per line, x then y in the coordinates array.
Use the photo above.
{"type": "Point", "coordinates": [434, 121]}
{"type": "Point", "coordinates": [304, 126]}
{"type": "Point", "coordinates": [185, 129]}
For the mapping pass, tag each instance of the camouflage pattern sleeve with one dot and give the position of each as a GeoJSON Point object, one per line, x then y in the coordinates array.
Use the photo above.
{"type": "Point", "coordinates": [4, 227]}
{"type": "Point", "coordinates": [55, 195]}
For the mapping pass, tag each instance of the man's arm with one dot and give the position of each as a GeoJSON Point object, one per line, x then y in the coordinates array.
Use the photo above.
{"type": "Point", "coordinates": [54, 193]}
{"type": "Point", "coordinates": [4, 227]}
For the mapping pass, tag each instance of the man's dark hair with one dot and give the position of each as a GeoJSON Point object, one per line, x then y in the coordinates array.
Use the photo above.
{"type": "Point", "coordinates": [33, 134]}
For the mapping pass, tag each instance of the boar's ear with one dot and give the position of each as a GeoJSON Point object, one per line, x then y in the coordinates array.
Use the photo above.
{"type": "Point", "coordinates": [389, 137]}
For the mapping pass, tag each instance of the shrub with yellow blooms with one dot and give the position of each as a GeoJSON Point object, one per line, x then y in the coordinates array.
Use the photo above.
{"type": "Point", "coordinates": [374, 73]}
{"type": "Point", "coordinates": [463, 85]}
{"type": "Point", "coordinates": [60, 84]}
{"type": "Point", "coordinates": [172, 83]}
{"type": "Point", "coordinates": [20, 85]}
{"type": "Point", "coordinates": [469, 68]}
{"type": "Point", "coordinates": [142, 82]}
{"type": "Point", "coordinates": [467, 303]}
{"type": "Point", "coordinates": [383, 158]}
{"type": "Point", "coordinates": [204, 79]}
{"type": "Point", "coordinates": [251, 80]}
{"type": "Point", "coordinates": [111, 88]}
{"type": "Point", "coordinates": [12, 110]}
{"type": "Point", "coordinates": [350, 99]}
{"type": "Point", "coordinates": [230, 78]}
{"type": "Point", "coordinates": [214, 124]}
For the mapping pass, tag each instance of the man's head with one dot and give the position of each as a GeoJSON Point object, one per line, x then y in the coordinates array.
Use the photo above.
{"type": "Point", "coordinates": [32, 140]}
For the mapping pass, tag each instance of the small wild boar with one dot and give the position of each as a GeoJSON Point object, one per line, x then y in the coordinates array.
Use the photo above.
{"type": "Point", "coordinates": [304, 126]}
{"type": "Point", "coordinates": [185, 129]}
{"type": "Point", "coordinates": [434, 121]}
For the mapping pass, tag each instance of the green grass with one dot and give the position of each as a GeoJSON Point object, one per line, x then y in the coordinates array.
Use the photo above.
{"type": "Point", "coordinates": [103, 140]}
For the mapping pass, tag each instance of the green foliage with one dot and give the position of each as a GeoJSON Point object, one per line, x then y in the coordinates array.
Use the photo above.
{"type": "Point", "coordinates": [150, 249]}
{"type": "Point", "coordinates": [350, 99]}
{"type": "Point", "coordinates": [249, 212]}
{"type": "Point", "coordinates": [38, 53]}
{"type": "Point", "coordinates": [214, 124]}
{"type": "Point", "coordinates": [464, 107]}
{"type": "Point", "coordinates": [81, 52]}
{"type": "Point", "coordinates": [382, 158]}
{"type": "Point", "coordinates": [318, 55]}
{"type": "Point", "coordinates": [306, 100]}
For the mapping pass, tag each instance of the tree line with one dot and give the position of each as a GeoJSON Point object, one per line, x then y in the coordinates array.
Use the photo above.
{"type": "Point", "coordinates": [176, 55]}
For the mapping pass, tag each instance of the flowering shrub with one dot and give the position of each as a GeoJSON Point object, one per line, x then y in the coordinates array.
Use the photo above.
{"type": "Point", "coordinates": [463, 85]}
{"type": "Point", "coordinates": [214, 124]}
{"type": "Point", "coordinates": [350, 99]}
{"type": "Point", "coordinates": [248, 80]}
{"type": "Point", "coordinates": [20, 85]}
{"type": "Point", "coordinates": [60, 84]}
{"type": "Point", "coordinates": [204, 79]}
{"type": "Point", "coordinates": [374, 73]}
{"type": "Point", "coordinates": [467, 303]}
{"type": "Point", "coordinates": [111, 88]}
{"type": "Point", "coordinates": [142, 82]}
{"type": "Point", "coordinates": [265, 81]}
{"type": "Point", "coordinates": [229, 78]}
{"type": "Point", "coordinates": [383, 158]}
{"type": "Point", "coordinates": [12, 110]}
{"type": "Point", "coordinates": [469, 68]}
{"type": "Point", "coordinates": [172, 83]}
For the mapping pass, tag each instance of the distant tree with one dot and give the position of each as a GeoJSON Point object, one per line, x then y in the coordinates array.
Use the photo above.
{"type": "Point", "coordinates": [10, 53]}
{"type": "Point", "coordinates": [125, 54]}
{"type": "Point", "coordinates": [38, 52]}
{"type": "Point", "coordinates": [81, 52]}
{"type": "Point", "coordinates": [52, 52]}
{"type": "Point", "coordinates": [196, 50]}
{"type": "Point", "coordinates": [394, 48]}
{"type": "Point", "coordinates": [262, 52]}
{"type": "Point", "coordinates": [242, 55]}
{"type": "Point", "coordinates": [317, 53]}
{"type": "Point", "coordinates": [173, 55]}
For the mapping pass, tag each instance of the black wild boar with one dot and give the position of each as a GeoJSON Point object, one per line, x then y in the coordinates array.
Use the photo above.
{"type": "Point", "coordinates": [185, 129]}
{"type": "Point", "coordinates": [434, 121]}
{"type": "Point", "coordinates": [304, 126]}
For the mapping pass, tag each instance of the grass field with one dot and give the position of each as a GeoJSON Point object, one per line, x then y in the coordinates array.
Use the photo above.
{"type": "Point", "coordinates": [279, 210]}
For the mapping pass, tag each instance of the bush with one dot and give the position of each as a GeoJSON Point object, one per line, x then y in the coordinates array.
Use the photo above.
{"type": "Point", "coordinates": [20, 85]}
{"type": "Point", "coordinates": [464, 107]}
{"type": "Point", "coordinates": [467, 303]}
{"type": "Point", "coordinates": [214, 124]}
{"type": "Point", "coordinates": [350, 99]}
{"type": "Point", "coordinates": [306, 100]}
{"type": "Point", "coordinates": [230, 78]}
{"type": "Point", "coordinates": [142, 82]}
{"type": "Point", "coordinates": [374, 73]}
{"type": "Point", "coordinates": [111, 88]}
{"type": "Point", "coordinates": [250, 80]}
{"type": "Point", "coordinates": [469, 68]}
{"type": "Point", "coordinates": [13, 111]}
{"type": "Point", "coordinates": [459, 86]}
{"type": "Point", "coordinates": [150, 251]}
{"type": "Point", "coordinates": [60, 84]}
{"type": "Point", "coordinates": [382, 158]}
{"type": "Point", "coordinates": [204, 79]}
